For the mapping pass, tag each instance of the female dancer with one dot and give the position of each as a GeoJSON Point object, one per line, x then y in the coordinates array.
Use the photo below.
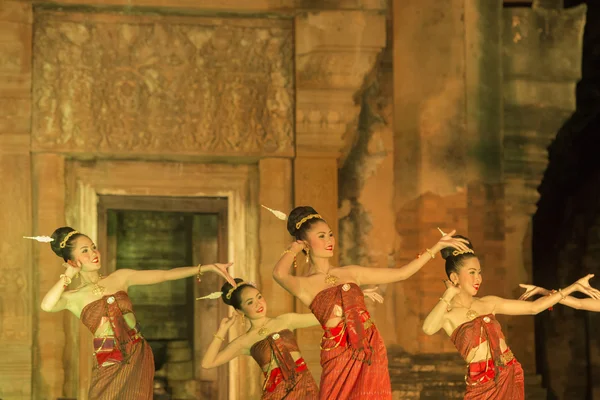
{"type": "Point", "coordinates": [353, 355]}
{"type": "Point", "coordinates": [493, 371]}
{"type": "Point", "coordinates": [125, 365]}
{"type": "Point", "coordinates": [270, 341]}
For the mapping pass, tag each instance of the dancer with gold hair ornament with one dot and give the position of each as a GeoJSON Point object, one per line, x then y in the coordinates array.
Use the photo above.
{"type": "Point", "coordinates": [124, 365]}
{"type": "Point", "coordinates": [269, 340]}
{"type": "Point", "coordinates": [353, 355]}
{"type": "Point", "coordinates": [493, 372]}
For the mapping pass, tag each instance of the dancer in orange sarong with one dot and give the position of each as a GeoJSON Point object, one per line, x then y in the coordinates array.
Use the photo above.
{"type": "Point", "coordinates": [493, 373]}
{"type": "Point", "coordinates": [124, 364]}
{"type": "Point", "coordinates": [270, 341]}
{"type": "Point", "coordinates": [353, 355]}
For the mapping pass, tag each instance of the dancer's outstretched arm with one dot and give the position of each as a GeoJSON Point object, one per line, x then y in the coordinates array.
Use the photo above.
{"type": "Point", "coordinates": [299, 321]}
{"type": "Point", "coordinates": [522, 307]}
{"type": "Point", "coordinates": [375, 276]}
{"type": "Point", "coordinates": [131, 277]}
{"type": "Point", "coordinates": [591, 304]}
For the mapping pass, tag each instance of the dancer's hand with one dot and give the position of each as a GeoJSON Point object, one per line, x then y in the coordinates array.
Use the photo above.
{"type": "Point", "coordinates": [448, 241]}
{"type": "Point", "coordinates": [297, 246]}
{"type": "Point", "coordinates": [71, 270]}
{"type": "Point", "coordinates": [583, 285]}
{"type": "Point", "coordinates": [227, 323]}
{"type": "Point", "coordinates": [532, 290]}
{"type": "Point", "coordinates": [372, 294]}
{"type": "Point", "coordinates": [451, 290]}
{"type": "Point", "coordinates": [221, 269]}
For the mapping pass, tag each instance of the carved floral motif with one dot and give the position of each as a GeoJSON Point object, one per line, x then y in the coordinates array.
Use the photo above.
{"type": "Point", "coordinates": [111, 83]}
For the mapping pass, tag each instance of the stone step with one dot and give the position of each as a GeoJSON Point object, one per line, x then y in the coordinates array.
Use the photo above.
{"type": "Point", "coordinates": [439, 376]}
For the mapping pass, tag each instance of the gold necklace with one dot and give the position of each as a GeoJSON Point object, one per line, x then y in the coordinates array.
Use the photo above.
{"type": "Point", "coordinates": [471, 314]}
{"type": "Point", "coordinates": [330, 280]}
{"type": "Point", "coordinates": [97, 290]}
{"type": "Point", "coordinates": [262, 331]}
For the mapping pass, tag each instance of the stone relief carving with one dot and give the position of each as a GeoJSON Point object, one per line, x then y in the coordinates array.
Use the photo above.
{"type": "Point", "coordinates": [110, 83]}
{"type": "Point", "coordinates": [14, 314]}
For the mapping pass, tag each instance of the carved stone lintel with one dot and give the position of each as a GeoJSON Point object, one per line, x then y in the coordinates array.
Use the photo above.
{"type": "Point", "coordinates": [335, 51]}
{"type": "Point", "coordinates": [322, 119]}
{"type": "Point", "coordinates": [163, 85]}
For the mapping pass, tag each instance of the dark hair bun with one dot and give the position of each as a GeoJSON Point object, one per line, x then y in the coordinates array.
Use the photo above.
{"type": "Point", "coordinates": [58, 236]}
{"type": "Point", "coordinates": [296, 216]}
{"type": "Point", "coordinates": [447, 252]}
{"type": "Point", "coordinates": [236, 296]}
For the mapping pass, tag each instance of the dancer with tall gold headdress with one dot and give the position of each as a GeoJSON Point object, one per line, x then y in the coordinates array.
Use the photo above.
{"type": "Point", "coordinates": [270, 341]}
{"type": "Point", "coordinates": [124, 365]}
{"type": "Point", "coordinates": [353, 355]}
{"type": "Point", "coordinates": [470, 322]}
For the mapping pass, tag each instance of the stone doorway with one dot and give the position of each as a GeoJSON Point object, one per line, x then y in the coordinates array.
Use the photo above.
{"type": "Point", "coordinates": [161, 233]}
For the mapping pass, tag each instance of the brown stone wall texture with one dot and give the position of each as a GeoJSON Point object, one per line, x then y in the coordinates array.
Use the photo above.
{"type": "Point", "coordinates": [141, 84]}
{"type": "Point", "coordinates": [17, 280]}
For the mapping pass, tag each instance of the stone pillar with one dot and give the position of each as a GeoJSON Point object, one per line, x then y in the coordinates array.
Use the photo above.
{"type": "Point", "coordinates": [334, 52]}
{"type": "Point", "coordinates": [275, 192]}
{"type": "Point", "coordinates": [56, 362]}
{"type": "Point", "coordinates": [448, 132]}
{"type": "Point", "coordinates": [16, 277]}
{"type": "Point", "coordinates": [542, 63]}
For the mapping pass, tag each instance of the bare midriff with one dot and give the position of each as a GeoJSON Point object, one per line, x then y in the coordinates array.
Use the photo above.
{"type": "Point", "coordinates": [482, 352]}
{"type": "Point", "coordinates": [273, 364]}
{"type": "Point", "coordinates": [105, 329]}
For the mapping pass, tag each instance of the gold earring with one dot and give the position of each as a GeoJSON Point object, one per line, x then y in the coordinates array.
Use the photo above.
{"type": "Point", "coordinates": [307, 256]}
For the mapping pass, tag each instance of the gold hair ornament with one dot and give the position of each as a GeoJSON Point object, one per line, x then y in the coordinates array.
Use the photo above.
{"type": "Point", "coordinates": [216, 295]}
{"type": "Point", "coordinates": [442, 232]}
{"type": "Point", "coordinates": [63, 244]}
{"type": "Point", "coordinates": [42, 239]}
{"type": "Point", "coordinates": [282, 216]}
{"type": "Point", "coordinates": [459, 252]}
{"type": "Point", "coordinates": [303, 220]}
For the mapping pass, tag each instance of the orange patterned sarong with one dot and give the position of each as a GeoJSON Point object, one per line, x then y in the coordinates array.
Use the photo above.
{"type": "Point", "coordinates": [353, 355]}
{"type": "Point", "coordinates": [124, 367]}
{"type": "Point", "coordinates": [290, 380]}
{"type": "Point", "coordinates": [498, 378]}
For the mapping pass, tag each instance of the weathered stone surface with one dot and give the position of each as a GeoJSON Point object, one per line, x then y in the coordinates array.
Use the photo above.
{"type": "Point", "coordinates": [439, 376]}
{"type": "Point", "coordinates": [118, 84]}
{"type": "Point", "coordinates": [278, 7]}
{"type": "Point", "coordinates": [17, 278]}
{"type": "Point", "coordinates": [542, 62]}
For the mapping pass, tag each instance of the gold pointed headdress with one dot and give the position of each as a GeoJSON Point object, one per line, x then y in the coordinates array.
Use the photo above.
{"type": "Point", "coordinates": [282, 216]}
{"type": "Point", "coordinates": [216, 295]}
{"type": "Point", "coordinates": [48, 239]}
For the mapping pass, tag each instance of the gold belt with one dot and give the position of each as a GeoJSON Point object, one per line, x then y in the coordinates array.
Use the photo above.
{"type": "Point", "coordinates": [507, 357]}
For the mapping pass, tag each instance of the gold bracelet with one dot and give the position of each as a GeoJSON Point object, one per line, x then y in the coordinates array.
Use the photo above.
{"type": "Point", "coordinates": [430, 253]}
{"type": "Point", "coordinates": [447, 302]}
{"type": "Point", "coordinates": [219, 337]}
{"type": "Point", "coordinates": [66, 280]}
{"type": "Point", "coordinates": [291, 252]}
{"type": "Point", "coordinates": [561, 294]}
{"type": "Point", "coordinates": [199, 273]}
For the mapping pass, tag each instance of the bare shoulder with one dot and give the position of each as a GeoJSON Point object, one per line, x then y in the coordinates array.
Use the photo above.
{"type": "Point", "coordinates": [489, 299]}
{"type": "Point", "coordinates": [346, 270]}
{"type": "Point", "coordinates": [121, 272]}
